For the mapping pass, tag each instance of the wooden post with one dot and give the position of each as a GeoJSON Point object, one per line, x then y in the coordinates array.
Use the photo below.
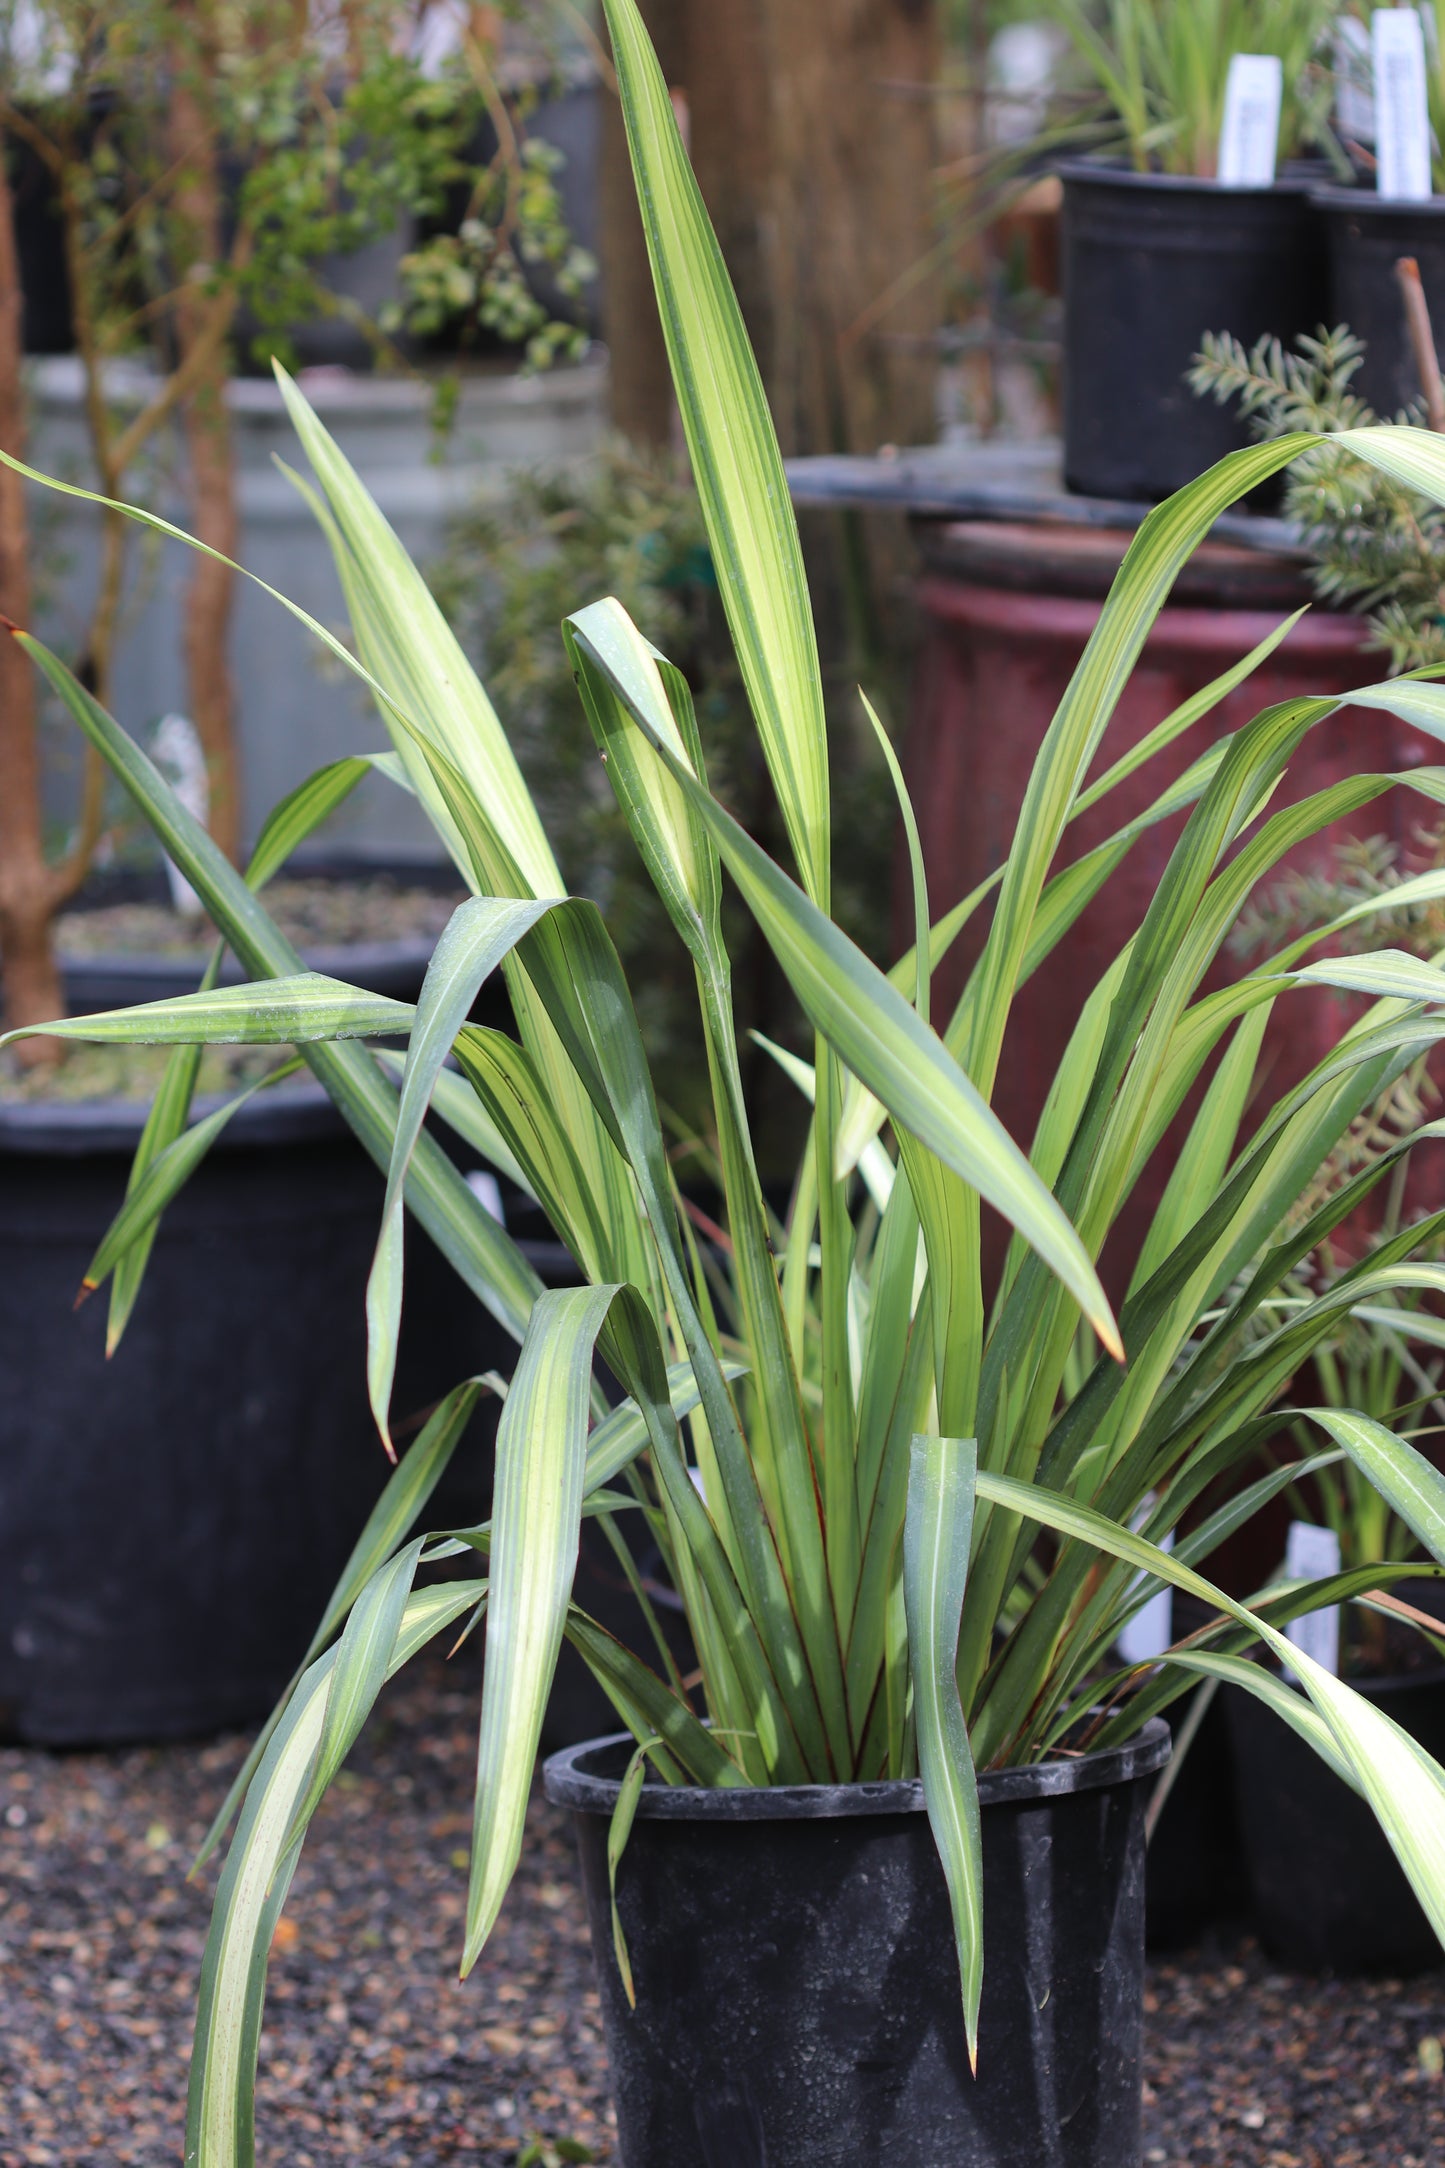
{"type": "Point", "coordinates": [813, 137]}
{"type": "Point", "coordinates": [1422, 341]}
{"type": "Point", "coordinates": [641, 393]}
{"type": "Point", "coordinates": [32, 981]}
{"type": "Point", "coordinates": [202, 355]}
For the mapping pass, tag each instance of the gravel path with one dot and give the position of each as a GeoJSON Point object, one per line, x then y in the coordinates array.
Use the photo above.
{"type": "Point", "coordinates": [372, 2053]}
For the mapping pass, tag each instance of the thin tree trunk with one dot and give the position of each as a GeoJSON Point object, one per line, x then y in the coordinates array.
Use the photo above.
{"type": "Point", "coordinates": [813, 140]}
{"type": "Point", "coordinates": [641, 387]}
{"type": "Point", "coordinates": [33, 990]}
{"type": "Point", "coordinates": [206, 422]}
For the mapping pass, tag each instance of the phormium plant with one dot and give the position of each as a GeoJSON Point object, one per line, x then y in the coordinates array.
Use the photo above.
{"type": "Point", "coordinates": [923, 1505]}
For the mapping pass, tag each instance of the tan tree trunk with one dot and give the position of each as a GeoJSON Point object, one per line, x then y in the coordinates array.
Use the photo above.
{"type": "Point", "coordinates": [813, 139]}
{"type": "Point", "coordinates": [206, 421]}
{"type": "Point", "coordinates": [641, 388]}
{"type": "Point", "coordinates": [28, 896]}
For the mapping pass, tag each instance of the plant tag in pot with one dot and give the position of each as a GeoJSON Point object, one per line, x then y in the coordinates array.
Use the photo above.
{"type": "Point", "coordinates": [1249, 137]}
{"type": "Point", "coordinates": [1149, 1632]}
{"type": "Point", "coordinates": [1310, 1554]}
{"type": "Point", "coordinates": [177, 751]}
{"type": "Point", "coordinates": [1402, 117]}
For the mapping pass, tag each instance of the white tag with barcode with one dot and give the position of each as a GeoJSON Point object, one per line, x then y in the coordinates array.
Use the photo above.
{"type": "Point", "coordinates": [1402, 113]}
{"type": "Point", "coordinates": [1249, 137]}
{"type": "Point", "coordinates": [1312, 1554]}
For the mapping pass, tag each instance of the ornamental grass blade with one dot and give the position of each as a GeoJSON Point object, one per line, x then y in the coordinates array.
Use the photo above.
{"type": "Point", "coordinates": [286, 827]}
{"type": "Point", "coordinates": [396, 1511]}
{"type": "Point", "coordinates": [1166, 539]}
{"type": "Point", "coordinates": [1400, 1473]}
{"type": "Point", "coordinates": [1385, 974]}
{"type": "Point", "coordinates": [479, 1251]}
{"type": "Point", "coordinates": [170, 1110]}
{"type": "Point", "coordinates": [937, 1534]}
{"type": "Point", "coordinates": [359, 1665]}
{"type": "Point", "coordinates": [1402, 1784]}
{"type": "Point", "coordinates": [648, 1706]}
{"type": "Point", "coordinates": [266, 1012]}
{"type": "Point", "coordinates": [619, 1829]}
{"type": "Point", "coordinates": [411, 653]}
{"type": "Point", "coordinates": [296, 816]}
{"type": "Point", "coordinates": [682, 860]}
{"type": "Point", "coordinates": [220, 2114]}
{"type": "Point", "coordinates": [879, 1036]}
{"type": "Point", "coordinates": [464, 1115]}
{"type": "Point", "coordinates": [736, 463]}
{"type": "Point", "coordinates": [159, 1182]}
{"type": "Point", "coordinates": [541, 1456]}
{"type": "Point", "coordinates": [477, 936]}
{"type": "Point", "coordinates": [916, 869]}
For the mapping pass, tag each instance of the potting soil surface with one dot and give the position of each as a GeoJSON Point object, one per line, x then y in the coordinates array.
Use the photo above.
{"type": "Point", "coordinates": [372, 2052]}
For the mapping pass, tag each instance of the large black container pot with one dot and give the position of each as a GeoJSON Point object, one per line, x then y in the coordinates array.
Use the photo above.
{"type": "Point", "coordinates": [171, 1522]}
{"type": "Point", "coordinates": [797, 1985]}
{"type": "Point", "coordinates": [1196, 1876]}
{"type": "Point", "coordinates": [1150, 263]}
{"type": "Point", "coordinates": [1329, 1894]}
{"type": "Point", "coordinates": [1367, 235]}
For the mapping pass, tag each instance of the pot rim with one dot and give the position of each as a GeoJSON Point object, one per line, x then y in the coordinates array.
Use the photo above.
{"type": "Point", "coordinates": [335, 959]}
{"type": "Point", "coordinates": [297, 1113]}
{"type": "Point", "coordinates": [1373, 204]}
{"type": "Point", "coordinates": [1113, 172]}
{"type": "Point", "coordinates": [568, 1784]}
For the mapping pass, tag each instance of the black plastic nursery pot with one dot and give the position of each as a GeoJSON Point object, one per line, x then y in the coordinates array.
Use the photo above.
{"type": "Point", "coordinates": [1196, 1877]}
{"type": "Point", "coordinates": [1329, 1894]}
{"type": "Point", "coordinates": [1150, 263]}
{"type": "Point", "coordinates": [172, 1522]}
{"type": "Point", "coordinates": [1367, 235]}
{"type": "Point", "coordinates": [797, 1984]}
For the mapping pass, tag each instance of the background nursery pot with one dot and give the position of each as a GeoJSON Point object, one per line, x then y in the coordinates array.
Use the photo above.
{"type": "Point", "coordinates": [797, 1981]}
{"type": "Point", "coordinates": [171, 1522]}
{"type": "Point", "coordinates": [1328, 1891]}
{"type": "Point", "coordinates": [1366, 236]}
{"type": "Point", "coordinates": [1151, 261]}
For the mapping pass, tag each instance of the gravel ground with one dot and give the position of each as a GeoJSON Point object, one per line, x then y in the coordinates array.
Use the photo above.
{"type": "Point", "coordinates": [372, 2053]}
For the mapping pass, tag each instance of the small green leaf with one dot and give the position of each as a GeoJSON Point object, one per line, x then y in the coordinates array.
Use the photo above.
{"type": "Point", "coordinates": [619, 1829]}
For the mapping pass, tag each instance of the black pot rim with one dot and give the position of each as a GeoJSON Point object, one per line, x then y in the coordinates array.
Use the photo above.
{"type": "Point", "coordinates": [569, 1784]}
{"type": "Point", "coordinates": [1373, 205]}
{"type": "Point", "coordinates": [340, 961]}
{"type": "Point", "coordinates": [1113, 173]}
{"type": "Point", "coordinates": [296, 1113]}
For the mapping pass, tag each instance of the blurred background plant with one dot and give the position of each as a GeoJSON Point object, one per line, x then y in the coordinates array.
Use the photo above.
{"type": "Point", "coordinates": [207, 176]}
{"type": "Point", "coordinates": [1375, 545]}
{"type": "Point", "coordinates": [1161, 73]}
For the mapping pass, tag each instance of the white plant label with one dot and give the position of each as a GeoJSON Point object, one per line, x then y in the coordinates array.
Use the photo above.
{"type": "Point", "coordinates": [1310, 1555]}
{"type": "Point", "coordinates": [1249, 137]}
{"type": "Point", "coordinates": [177, 751]}
{"type": "Point", "coordinates": [488, 1192]}
{"type": "Point", "coordinates": [1402, 113]}
{"type": "Point", "coordinates": [1149, 1632]}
